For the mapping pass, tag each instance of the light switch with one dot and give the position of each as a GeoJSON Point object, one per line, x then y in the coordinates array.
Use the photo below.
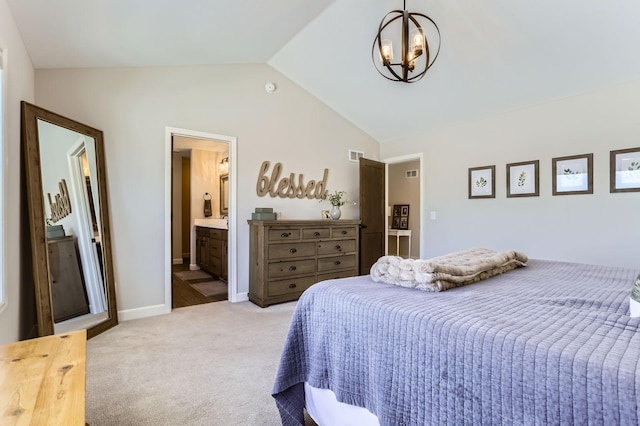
{"type": "Point", "coordinates": [433, 215]}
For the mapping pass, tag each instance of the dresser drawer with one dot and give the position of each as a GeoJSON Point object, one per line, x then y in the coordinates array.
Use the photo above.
{"type": "Point", "coordinates": [336, 262]}
{"type": "Point", "coordinates": [336, 275]}
{"type": "Point", "coordinates": [336, 247]}
{"type": "Point", "coordinates": [215, 248]}
{"type": "Point", "coordinates": [215, 233]}
{"type": "Point", "coordinates": [287, 269]}
{"type": "Point", "coordinates": [291, 250]}
{"type": "Point", "coordinates": [215, 266]}
{"type": "Point", "coordinates": [294, 285]}
{"type": "Point", "coordinates": [284, 234]}
{"type": "Point", "coordinates": [315, 233]}
{"type": "Point", "coordinates": [343, 232]}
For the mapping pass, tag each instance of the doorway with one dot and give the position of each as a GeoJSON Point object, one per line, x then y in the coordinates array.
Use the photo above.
{"type": "Point", "coordinates": [198, 169]}
{"type": "Point", "coordinates": [200, 141]}
{"type": "Point", "coordinates": [405, 204]}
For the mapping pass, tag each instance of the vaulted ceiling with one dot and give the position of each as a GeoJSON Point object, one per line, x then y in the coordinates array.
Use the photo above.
{"type": "Point", "coordinates": [496, 55]}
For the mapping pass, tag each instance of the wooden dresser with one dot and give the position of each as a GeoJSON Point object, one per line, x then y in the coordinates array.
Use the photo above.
{"type": "Point", "coordinates": [288, 256]}
{"type": "Point", "coordinates": [42, 381]}
{"type": "Point", "coordinates": [68, 292]}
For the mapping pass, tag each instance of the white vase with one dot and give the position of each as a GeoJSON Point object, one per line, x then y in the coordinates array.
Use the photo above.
{"type": "Point", "coordinates": [335, 212]}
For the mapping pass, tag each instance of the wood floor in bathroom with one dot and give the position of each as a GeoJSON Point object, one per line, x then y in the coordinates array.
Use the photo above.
{"type": "Point", "coordinates": [182, 294]}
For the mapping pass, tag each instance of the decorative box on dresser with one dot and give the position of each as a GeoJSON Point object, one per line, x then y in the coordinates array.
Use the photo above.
{"type": "Point", "coordinates": [288, 256]}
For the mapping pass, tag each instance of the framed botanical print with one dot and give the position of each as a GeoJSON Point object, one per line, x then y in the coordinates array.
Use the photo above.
{"type": "Point", "coordinates": [400, 218]}
{"type": "Point", "coordinates": [572, 175]}
{"type": "Point", "coordinates": [523, 179]}
{"type": "Point", "coordinates": [624, 170]}
{"type": "Point", "coordinates": [482, 182]}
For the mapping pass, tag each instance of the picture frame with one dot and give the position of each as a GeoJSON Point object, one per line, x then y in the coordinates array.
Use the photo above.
{"type": "Point", "coordinates": [523, 179]}
{"type": "Point", "coordinates": [482, 183]}
{"type": "Point", "coordinates": [624, 170]}
{"type": "Point", "coordinates": [325, 214]}
{"type": "Point", "coordinates": [572, 175]}
{"type": "Point", "coordinates": [400, 219]}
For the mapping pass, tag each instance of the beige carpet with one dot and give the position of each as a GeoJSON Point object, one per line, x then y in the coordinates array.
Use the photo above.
{"type": "Point", "coordinates": [210, 364]}
{"type": "Point", "coordinates": [210, 288]}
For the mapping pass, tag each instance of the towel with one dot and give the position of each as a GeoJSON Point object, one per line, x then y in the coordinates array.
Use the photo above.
{"type": "Point", "coordinates": [207, 208]}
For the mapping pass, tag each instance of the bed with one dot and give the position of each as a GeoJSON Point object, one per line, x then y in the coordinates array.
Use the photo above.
{"type": "Point", "coordinates": [550, 343]}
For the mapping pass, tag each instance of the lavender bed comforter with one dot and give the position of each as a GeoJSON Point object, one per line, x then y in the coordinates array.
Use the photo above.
{"type": "Point", "coordinates": [549, 344]}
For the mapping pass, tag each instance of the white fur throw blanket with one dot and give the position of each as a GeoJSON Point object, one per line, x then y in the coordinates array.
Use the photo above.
{"type": "Point", "coordinates": [448, 271]}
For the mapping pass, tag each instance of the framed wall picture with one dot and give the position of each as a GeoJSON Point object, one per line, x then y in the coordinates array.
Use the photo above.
{"type": "Point", "coordinates": [400, 219]}
{"type": "Point", "coordinates": [572, 175]}
{"type": "Point", "coordinates": [624, 170]}
{"type": "Point", "coordinates": [482, 182]}
{"type": "Point", "coordinates": [523, 179]}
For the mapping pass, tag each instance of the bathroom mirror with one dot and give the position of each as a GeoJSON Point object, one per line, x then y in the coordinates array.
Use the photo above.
{"type": "Point", "coordinates": [224, 194]}
{"type": "Point", "coordinates": [69, 222]}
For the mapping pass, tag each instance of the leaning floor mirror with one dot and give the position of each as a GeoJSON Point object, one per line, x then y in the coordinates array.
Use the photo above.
{"type": "Point", "coordinates": [69, 222]}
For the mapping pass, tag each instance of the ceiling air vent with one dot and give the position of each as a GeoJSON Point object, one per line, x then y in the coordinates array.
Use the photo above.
{"type": "Point", "coordinates": [355, 155]}
{"type": "Point", "coordinates": [410, 174]}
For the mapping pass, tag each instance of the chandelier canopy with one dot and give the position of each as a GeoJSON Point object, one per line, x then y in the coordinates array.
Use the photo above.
{"type": "Point", "coordinates": [415, 56]}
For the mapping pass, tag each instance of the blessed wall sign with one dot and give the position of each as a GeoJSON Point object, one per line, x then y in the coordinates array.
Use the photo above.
{"type": "Point", "coordinates": [61, 207]}
{"type": "Point", "coordinates": [289, 187]}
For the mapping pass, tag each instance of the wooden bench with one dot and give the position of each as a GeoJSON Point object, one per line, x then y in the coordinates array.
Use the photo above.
{"type": "Point", "coordinates": [42, 381]}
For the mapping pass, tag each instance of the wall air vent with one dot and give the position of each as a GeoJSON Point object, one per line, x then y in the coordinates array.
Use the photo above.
{"type": "Point", "coordinates": [355, 155]}
{"type": "Point", "coordinates": [410, 174]}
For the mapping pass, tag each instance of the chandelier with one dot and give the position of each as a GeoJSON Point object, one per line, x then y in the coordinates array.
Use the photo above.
{"type": "Point", "coordinates": [415, 56]}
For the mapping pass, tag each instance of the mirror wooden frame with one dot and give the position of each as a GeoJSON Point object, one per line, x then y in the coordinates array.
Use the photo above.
{"type": "Point", "coordinates": [224, 194]}
{"type": "Point", "coordinates": [30, 116]}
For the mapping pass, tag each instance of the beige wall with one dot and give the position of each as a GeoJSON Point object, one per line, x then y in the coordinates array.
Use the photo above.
{"type": "Point", "coordinates": [601, 228]}
{"type": "Point", "coordinates": [18, 86]}
{"type": "Point", "coordinates": [406, 191]}
{"type": "Point", "coordinates": [134, 106]}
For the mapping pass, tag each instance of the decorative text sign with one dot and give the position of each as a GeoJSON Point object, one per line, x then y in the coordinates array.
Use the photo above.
{"type": "Point", "coordinates": [289, 187]}
{"type": "Point", "coordinates": [62, 206]}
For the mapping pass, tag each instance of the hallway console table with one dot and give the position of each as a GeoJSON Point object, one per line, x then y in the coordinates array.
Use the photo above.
{"type": "Point", "coordinates": [400, 233]}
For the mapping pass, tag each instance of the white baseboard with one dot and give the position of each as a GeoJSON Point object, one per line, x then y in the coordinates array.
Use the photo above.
{"type": "Point", "coordinates": [240, 297]}
{"type": "Point", "coordinates": [177, 261]}
{"type": "Point", "coordinates": [152, 311]}
{"type": "Point", "coordinates": [144, 312]}
{"type": "Point", "coordinates": [193, 267]}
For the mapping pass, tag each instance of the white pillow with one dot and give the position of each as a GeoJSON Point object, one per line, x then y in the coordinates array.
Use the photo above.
{"type": "Point", "coordinates": [634, 300]}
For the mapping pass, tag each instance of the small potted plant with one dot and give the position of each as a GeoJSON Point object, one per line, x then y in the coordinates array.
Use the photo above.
{"type": "Point", "coordinates": [337, 200]}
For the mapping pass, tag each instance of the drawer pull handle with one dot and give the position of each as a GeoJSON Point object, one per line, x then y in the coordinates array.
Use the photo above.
{"type": "Point", "coordinates": [292, 268]}
{"type": "Point", "coordinates": [344, 232]}
{"type": "Point", "coordinates": [285, 234]}
{"type": "Point", "coordinates": [293, 250]}
{"type": "Point", "coordinates": [292, 285]}
{"type": "Point", "coordinates": [316, 234]}
{"type": "Point", "coordinates": [338, 247]}
{"type": "Point", "coordinates": [337, 262]}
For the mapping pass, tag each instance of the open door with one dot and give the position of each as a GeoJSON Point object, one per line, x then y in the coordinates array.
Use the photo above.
{"type": "Point", "coordinates": [372, 213]}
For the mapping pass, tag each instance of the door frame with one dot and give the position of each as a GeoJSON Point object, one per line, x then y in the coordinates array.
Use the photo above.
{"type": "Point", "coordinates": [233, 210]}
{"type": "Point", "coordinates": [403, 159]}
{"type": "Point", "coordinates": [93, 279]}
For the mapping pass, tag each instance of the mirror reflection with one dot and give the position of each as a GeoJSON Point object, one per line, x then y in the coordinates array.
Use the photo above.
{"type": "Point", "coordinates": [69, 221]}
{"type": "Point", "coordinates": [224, 194]}
{"type": "Point", "coordinates": [78, 294]}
